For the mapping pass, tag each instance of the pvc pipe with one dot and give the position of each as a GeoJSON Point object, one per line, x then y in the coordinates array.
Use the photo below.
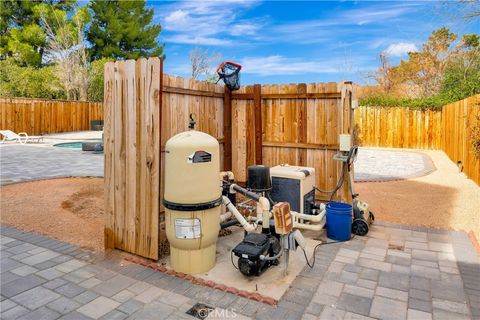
{"type": "Point", "coordinates": [247, 226]}
{"type": "Point", "coordinates": [224, 217]}
{"type": "Point", "coordinates": [229, 175]}
{"type": "Point", "coordinates": [314, 227]}
{"type": "Point", "coordinates": [318, 220]}
{"type": "Point", "coordinates": [308, 217]}
{"type": "Point", "coordinates": [263, 206]}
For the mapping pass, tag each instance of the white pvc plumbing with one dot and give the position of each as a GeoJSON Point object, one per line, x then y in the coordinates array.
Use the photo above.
{"type": "Point", "coordinates": [318, 221]}
{"type": "Point", "coordinates": [247, 226]}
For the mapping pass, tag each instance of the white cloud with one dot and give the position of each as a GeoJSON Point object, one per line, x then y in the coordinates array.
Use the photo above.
{"type": "Point", "coordinates": [176, 17]}
{"type": "Point", "coordinates": [202, 22]}
{"type": "Point", "coordinates": [344, 23]}
{"type": "Point", "coordinates": [241, 29]}
{"type": "Point", "coordinates": [280, 65]}
{"type": "Point", "coordinates": [197, 40]}
{"type": "Point", "coordinates": [401, 48]}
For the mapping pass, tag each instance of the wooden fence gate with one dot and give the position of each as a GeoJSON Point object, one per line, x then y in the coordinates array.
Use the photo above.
{"type": "Point", "coordinates": [132, 155]}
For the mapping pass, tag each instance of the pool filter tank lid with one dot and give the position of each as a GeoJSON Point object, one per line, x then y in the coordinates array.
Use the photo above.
{"type": "Point", "coordinates": [192, 200]}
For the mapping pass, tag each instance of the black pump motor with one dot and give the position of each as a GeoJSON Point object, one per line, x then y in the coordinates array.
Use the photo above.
{"type": "Point", "coordinates": [259, 178]}
{"type": "Point", "coordinates": [251, 248]}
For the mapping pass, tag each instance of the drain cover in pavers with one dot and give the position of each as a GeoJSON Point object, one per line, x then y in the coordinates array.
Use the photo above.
{"type": "Point", "coordinates": [200, 311]}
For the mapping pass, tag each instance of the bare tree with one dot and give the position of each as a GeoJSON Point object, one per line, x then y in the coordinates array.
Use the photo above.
{"type": "Point", "coordinates": [202, 63]}
{"type": "Point", "coordinates": [66, 47]}
{"type": "Point", "coordinates": [467, 10]}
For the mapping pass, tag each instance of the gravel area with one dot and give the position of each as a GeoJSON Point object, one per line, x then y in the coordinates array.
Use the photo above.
{"type": "Point", "coordinates": [444, 199]}
{"type": "Point", "coordinates": [68, 209]}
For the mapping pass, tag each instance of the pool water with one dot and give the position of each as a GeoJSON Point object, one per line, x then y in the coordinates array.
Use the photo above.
{"type": "Point", "coordinates": [70, 145]}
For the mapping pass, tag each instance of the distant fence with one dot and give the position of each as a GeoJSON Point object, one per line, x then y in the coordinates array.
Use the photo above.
{"type": "Point", "coordinates": [295, 124]}
{"type": "Point", "coordinates": [37, 116]}
{"type": "Point", "coordinates": [398, 127]}
{"type": "Point", "coordinates": [447, 129]}
{"type": "Point", "coordinates": [458, 119]}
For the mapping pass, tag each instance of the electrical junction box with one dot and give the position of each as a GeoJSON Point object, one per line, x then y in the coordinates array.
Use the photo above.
{"type": "Point", "coordinates": [294, 184]}
{"type": "Point", "coordinates": [345, 142]}
{"type": "Point", "coordinates": [282, 218]}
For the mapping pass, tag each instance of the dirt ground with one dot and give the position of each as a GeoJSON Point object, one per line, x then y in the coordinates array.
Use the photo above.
{"type": "Point", "coordinates": [71, 209]}
{"type": "Point", "coordinates": [68, 209]}
{"type": "Point", "coordinates": [444, 199]}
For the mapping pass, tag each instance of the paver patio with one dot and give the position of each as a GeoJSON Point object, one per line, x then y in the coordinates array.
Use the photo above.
{"type": "Point", "coordinates": [44, 161]}
{"type": "Point", "coordinates": [375, 164]}
{"type": "Point", "coordinates": [394, 273]}
{"type": "Point", "coordinates": [34, 162]}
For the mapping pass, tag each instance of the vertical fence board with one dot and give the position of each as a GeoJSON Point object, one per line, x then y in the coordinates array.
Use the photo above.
{"type": "Point", "coordinates": [109, 172]}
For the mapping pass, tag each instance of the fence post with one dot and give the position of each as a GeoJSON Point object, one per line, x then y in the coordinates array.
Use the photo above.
{"type": "Point", "coordinates": [227, 129]}
{"type": "Point", "coordinates": [257, 102]}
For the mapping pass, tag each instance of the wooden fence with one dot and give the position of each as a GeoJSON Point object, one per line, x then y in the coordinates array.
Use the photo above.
{"type": "Point", "coordinates": [398, 127]}
{"type": "Point", "coordinates": [458, 120]}
{"type": "Point", "coordinates": [295, 124]}
{"type": "Point", "coordinates": [37, 116]}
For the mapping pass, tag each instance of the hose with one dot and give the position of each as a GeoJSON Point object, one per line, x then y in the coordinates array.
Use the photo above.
{"type": "Point", "coordinates": [340, 182]}
{"type": "Point", "coordinates": [227, 224]}
{"type": "Point", "coordinates": [352, 155]}
{"type": "Point", "coordinates": [317, 246]}
{"type": "Point", "coordinates": [246, 193]}
{"type": "Point", "coordinates": [267, 195]}
{"type": "Point", "coordinates": [275, 257]}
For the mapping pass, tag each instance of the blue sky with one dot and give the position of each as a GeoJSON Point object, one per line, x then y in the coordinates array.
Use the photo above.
{"type": "Point", "coordinates": [289, 42]}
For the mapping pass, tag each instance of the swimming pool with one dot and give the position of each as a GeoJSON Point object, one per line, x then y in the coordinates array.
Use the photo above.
{"type": "Point", "coordinates": [70, 145]}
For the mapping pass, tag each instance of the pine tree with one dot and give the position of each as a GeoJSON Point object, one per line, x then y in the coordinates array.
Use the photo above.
{"type": "Point", "coordinates": [123, 30]}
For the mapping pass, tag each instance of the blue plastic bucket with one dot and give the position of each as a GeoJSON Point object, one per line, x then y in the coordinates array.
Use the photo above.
{"type": "Point", "coordinates": [339, 221]}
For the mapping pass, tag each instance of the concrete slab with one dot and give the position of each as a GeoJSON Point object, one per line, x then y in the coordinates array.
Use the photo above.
{"type": "Point", "coordinates": [272, 283]}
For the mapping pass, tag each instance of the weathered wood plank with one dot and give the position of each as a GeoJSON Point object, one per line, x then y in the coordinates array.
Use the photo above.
{"type": "Point", "coordinates": [109, 171]}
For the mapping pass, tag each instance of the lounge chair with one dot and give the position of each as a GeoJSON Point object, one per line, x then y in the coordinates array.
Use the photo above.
{"type": "Point", "coordinates": [22, 137]}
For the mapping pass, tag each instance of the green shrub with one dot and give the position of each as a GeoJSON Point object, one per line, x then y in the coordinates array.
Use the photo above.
{"type": "Point", "coordinates": [29, 82]}
{"type": "Point", "coordinates": [95, 90]}
{"type": "Point", "coordinates": [435, 102]}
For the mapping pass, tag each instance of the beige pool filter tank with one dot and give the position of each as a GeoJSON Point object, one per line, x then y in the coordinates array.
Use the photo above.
{"type": "Point", "coordinates": [192, 200]}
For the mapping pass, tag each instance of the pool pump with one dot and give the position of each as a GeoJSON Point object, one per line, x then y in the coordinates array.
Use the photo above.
{"type": "Point", "coordinates": [252, 249]}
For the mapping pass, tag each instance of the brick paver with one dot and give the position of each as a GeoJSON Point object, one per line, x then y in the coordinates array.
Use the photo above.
{"type": "Point", "coordinates": [394, 273]}
{"type": "Point", "coordinates": [31, 162]}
